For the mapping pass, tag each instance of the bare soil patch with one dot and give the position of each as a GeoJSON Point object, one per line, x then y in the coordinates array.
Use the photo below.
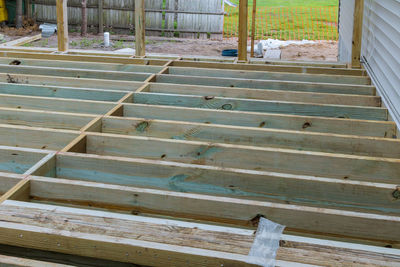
{"type": "Point", "coordinates": [322, 50]}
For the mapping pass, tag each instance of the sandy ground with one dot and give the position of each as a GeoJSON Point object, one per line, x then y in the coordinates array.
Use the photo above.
{"type": "Point", "coordinates": [323, 50]}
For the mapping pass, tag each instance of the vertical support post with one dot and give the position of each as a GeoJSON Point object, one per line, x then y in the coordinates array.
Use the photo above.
{"type": "Point", "coordinates": [357, 34]}
{"type": "Point", "coordinates": [140, 21]}
{"type": "Point", "coordinates": [62, 25]}
{"type": "Point", "coordinates": [101, 18]}
{"type": "Point", "coordinates": [243, 14]}
{"type": "Point", "coordinates": [253, 27]}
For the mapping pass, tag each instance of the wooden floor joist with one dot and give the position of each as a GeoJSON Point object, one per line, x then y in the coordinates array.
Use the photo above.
{"type": "Point", "coordinates": [167, 160]}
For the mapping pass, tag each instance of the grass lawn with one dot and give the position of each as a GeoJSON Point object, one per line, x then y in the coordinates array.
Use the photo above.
{"type": "Point", "coordinates": [292, 3]}
{"type": "Point", "coordinates": [288, 20]}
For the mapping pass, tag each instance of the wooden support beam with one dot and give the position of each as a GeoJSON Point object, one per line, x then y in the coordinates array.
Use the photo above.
{"type": "Point", "coordinates": [76, 73]}
{"type": "Point", "coordinates": [55, 104]}
{"type": "Point", "coordinates": [260, 137]}
{"type": "Point", "coordinates": [253, 27]}
{"type": "Point", "coordinates": [69, 81]}
{"type": "Point", "coordinates": [83, 65]}
{"type": "Point", "coordinates": [263, 120]}
{"type": "Point", "coordinates": [39, 138]}
{"type": "Point", "coordinates": [44, 119]}
{"type": "Point", "coordinates": [266, 75]}
{"type": "Point", "coordinates": [235, 211]}
{"type": "Point", "coordinates": [62, 92]}
{"type": "Point", "coordinates": [238, 104]}
{"type": "Point", "coordinates": [357, 33]}
{"type": "Point", "coordinates": [91, 57]}
{"type": "Point", "coordinates": [271, 67]}
{"type": "Point", "coordinates": [62, 25]}
{"type": "Point", "coordinates": [140, 25]}
{"type": "Point", "coordinates": [269, 84]}
{"type": "Point", "coordinates": [341, 166]}
{"type": "Point", "coordinates": [243, 15]}
{"type": "Point", "coordinates": [261, 94]}
{"type": "Point", "coordinates": [19, 160]}
{"type": "Point", "coordinates": [22, 41]}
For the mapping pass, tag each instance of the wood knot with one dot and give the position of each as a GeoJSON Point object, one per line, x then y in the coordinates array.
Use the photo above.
{"type": "Point", "coordinates": [227, 107]}
{"type": "Point", "coordinates": [256, 220]}
{"type": "Point", "coordinates": [306, 125]}
{"type": "Point", "coordinates": [15, 62]}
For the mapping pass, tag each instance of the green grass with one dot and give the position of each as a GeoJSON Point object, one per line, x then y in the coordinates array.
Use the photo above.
{"type": "Point", "coordinates": [292, 3]}
{"type": "Point", "coordinates": [288, 20]}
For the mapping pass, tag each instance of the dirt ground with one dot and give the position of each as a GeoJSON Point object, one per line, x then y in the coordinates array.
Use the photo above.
{"type": "Point", "coordinates": [322, 50]}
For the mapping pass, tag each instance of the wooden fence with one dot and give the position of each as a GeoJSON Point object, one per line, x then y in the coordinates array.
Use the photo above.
{"type": "Point", "coordinates": [180, 18]}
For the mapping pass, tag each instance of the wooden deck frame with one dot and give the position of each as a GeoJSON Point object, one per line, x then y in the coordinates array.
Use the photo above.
{"type": "Point", "coordinates": [323, 160]}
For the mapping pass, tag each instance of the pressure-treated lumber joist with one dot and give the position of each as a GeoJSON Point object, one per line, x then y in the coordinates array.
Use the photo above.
{"type": "Point", "coordinates": [278, 67]}
{"type": "Point", "coordinates": [263, 75]}
{"type": "Point", "coordinates": [44, 119]}
{"type": "Point", "coordinates": [81, 65]}
{"type": "Point", "coordinates": [69, 81]}
{"type": "Point", "coordinates": [22, 41]}
{"type": "Point", "coordinates": [55, 104]}
{"type": "Point", "coordinates": [268, 84]}
{"type": "Point", "coordinates": [295, 217]}
{"type": "Point", "coordinates": [213, 141]}
{"type": "Point", "coordinates": [216, 133]}
{"type": "Point", "coordinates": [40, 138]}
{"type": "Point", "coordinates": [354, 167]}
{"type": "Point", "coordinates": [260, 185]}
{"type": "Point", "coordinates": [265, 94]}
{"type": "Point", "coordinates": [75, 73]}
{"type": "Point", "coordinates": [262, 120]}
{"type": "Point", "coordinates": [293, 108]}
{"type": "Point", "coordinates": [62, 92]}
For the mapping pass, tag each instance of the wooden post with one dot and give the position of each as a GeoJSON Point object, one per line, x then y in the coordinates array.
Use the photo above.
{"type": "Point", "coordinates": [243, 10]}
{"type": "Point", "coordinates": [253, 27]}
{"type": "Point", "coordinates": [62, 25]}
{"type": "Point", "coordinates": [101, 19]}
{"type": "Point", "coordinates": [140, 20]}
{"type": "Point", "coordinates": [84, 19]}
{"type": "Point", "coordinates": [357, 34]}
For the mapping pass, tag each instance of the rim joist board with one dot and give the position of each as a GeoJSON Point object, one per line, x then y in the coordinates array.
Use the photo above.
{"type": "Point", "coordinates": [111, 153]}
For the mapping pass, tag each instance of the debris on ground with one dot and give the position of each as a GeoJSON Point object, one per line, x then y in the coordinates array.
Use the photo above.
{"type": "Point", "coordinates": [29, 26]}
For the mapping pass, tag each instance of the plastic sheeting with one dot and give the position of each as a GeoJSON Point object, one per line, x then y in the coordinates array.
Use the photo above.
{"type": "Point", "coordinates": [265, 245]}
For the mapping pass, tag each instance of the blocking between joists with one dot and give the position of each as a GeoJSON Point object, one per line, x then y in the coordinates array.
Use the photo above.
{"type": "Point", "coordinates": [21, 191]}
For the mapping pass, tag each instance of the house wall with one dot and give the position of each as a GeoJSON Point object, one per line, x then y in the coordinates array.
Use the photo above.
{"type": "Point", "coordinates": [380, 47]}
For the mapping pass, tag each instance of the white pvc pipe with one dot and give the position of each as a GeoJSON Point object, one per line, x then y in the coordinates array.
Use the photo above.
{"type": "Point", "coordinates": [106, 39]}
